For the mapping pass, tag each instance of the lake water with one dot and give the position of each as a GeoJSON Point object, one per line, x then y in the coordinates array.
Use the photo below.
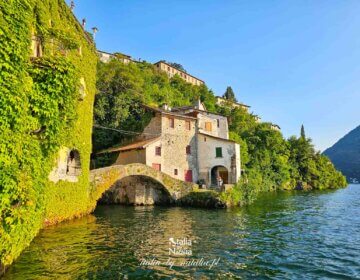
{"type": "Point", "coordinates": [286, 235]}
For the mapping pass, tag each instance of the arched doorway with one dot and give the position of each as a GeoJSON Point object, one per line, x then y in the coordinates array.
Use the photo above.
{"type": "Point", "coordinates": [219, 171]}
{"type": "Point", "coordinates": [73, 167]}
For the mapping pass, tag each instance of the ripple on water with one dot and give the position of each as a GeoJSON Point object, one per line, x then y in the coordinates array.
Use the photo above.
{"type": "Point", "coordinates": [283, 235]}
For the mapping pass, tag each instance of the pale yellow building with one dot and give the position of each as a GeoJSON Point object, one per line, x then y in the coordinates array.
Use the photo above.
{"type": "Point", "coordinates": [172, 71]}
{"type": "Point", "coordinates": [106, 57]}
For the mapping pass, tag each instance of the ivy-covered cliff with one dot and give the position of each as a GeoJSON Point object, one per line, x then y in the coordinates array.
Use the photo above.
{"type": "Point", "coordinates": [47, 87]}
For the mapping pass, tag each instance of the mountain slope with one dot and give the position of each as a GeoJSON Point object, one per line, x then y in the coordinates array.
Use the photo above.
{"type": "Point", "coordinates": [345, 154]}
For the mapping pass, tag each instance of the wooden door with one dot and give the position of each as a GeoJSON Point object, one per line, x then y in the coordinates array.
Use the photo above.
{"type": "Point", "coordinates": [188, 176]}
{"type": "Point", "coordinates": [224, 176]}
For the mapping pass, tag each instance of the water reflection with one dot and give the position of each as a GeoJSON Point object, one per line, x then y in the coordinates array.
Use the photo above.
{"type": "Point", "coordinates": [283, 235]}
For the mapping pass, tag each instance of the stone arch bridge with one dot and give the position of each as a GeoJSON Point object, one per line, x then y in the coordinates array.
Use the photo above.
{"type": "Point", "coordinates": [103, 179]}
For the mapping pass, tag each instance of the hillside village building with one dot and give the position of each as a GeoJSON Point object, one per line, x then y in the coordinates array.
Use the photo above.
{"type": "Point", "coordinates": [106, 57]}
{"type": "Point", "coordinates": [222, 101]}
{"type": "Point", "coordinates": [187, 143]}
{"type": "Point", "coordinates": [172, 71]}
{"type": "Point", "coordinates": [161, 65]}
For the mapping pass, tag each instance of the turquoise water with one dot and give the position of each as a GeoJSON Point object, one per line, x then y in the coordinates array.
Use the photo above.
{"type": "Point", "coordinates": [281, 236]}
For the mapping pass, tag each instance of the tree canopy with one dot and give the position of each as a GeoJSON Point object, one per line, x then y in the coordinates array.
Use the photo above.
{"type": "Point", "coordinates": [229, 94]}
{"type": "Point", "coordinates": [178, 66]}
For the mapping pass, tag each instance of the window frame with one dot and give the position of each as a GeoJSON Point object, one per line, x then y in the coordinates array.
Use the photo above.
{"type": "Point", "coordinates": [218, 152]}
{"type": "Point", "coordinates": [208, 126]}
{"type": "Point", "coordinates": [158, 151]}
{"type": "Point", "coordinates": [155, 165]}
{"type": "Point", "coordinates": [188, 150]}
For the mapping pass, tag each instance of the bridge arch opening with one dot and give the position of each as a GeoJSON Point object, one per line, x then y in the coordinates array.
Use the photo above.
{"type": "Point", "coordinates": [136, 190]}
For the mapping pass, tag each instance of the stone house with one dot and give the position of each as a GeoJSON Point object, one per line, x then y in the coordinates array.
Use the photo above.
{"type": "Point", "coordinates": [172, 71]}
{"type": "Point", "coordinates": [187, 143]}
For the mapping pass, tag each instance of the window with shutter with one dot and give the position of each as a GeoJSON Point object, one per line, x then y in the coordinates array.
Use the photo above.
{"type": "Point", "coordinates": [208, 126]}
{"type": "Point", "coordinates": [188, 150]}
{"type": "Point", "coordinates": [156, 166]}
{"type": "Point", "coordinates": [218, 152]}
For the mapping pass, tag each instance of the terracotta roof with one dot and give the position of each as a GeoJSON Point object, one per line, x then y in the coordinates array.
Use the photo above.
{"type": "Point", "coordinates": [133, 146]}
{"type": "Point", "coordinates": [215, 137]}
{"type": "Point", "coordinates": [159, 110]}
{"type": "Point", "coordinates": [195, 110]}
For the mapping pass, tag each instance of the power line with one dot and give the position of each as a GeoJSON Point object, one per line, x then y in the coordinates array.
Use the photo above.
{"type": "Point", "coordinates": [133, 133]}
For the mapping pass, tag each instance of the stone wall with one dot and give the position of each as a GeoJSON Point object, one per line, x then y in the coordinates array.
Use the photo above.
{"type": "Point", "coordinates": [153, 128]}
{"type": "Point", "coordinates": [222, 131]}
{"type": "Point", "coordinates": [174, 143]}
{"type": "Point", "coordinates": [136, 190]}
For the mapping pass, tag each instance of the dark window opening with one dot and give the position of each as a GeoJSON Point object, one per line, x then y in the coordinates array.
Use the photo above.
{"type": "Point", "coordinates": [73, 167]}
{"type": "Point", "coordinates": [171, 122]}
{"type": "Point", "coordinates": [218, 151]}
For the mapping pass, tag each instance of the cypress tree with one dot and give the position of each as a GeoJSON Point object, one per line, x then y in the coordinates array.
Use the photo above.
{"type": "Point", "coordinates": [229, 94]}
{"type": "Point", "coordinates": [302, 133]}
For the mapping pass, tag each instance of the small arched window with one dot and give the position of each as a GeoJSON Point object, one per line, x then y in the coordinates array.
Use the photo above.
{"type": "Point", "coordinates": [73, 167]}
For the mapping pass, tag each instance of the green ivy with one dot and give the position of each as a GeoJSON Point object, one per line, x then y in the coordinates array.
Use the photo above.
{"type": "Point", "coordinates": [40, 112]}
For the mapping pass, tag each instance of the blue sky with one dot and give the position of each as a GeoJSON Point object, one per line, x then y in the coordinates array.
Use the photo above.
{"type": "Point", "coordinates": [293, 62]}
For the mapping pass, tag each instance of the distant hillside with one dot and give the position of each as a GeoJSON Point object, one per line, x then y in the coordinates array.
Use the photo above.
{"type": "Point", "coordinates": [345, 154]}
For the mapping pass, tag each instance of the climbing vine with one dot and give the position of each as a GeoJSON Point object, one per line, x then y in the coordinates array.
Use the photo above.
{"type": "Point", "coordinates": [40, 112]}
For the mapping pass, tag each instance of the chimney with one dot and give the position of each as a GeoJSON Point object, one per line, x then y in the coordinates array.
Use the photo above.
{"type": "Point", "coordinates": [166, 107]}
{"type": "Point", "coordinates": [83, 23]}
{"type": "Point", "coordinates": [72, 5]}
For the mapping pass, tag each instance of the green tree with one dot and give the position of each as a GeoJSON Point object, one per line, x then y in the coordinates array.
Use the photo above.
{"type": "Point", "coordinates": [178, 66]}
{"type": "Point", "coordinates": [302, 133]}
{"type": "Point", "coordinates": [229, 94]}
